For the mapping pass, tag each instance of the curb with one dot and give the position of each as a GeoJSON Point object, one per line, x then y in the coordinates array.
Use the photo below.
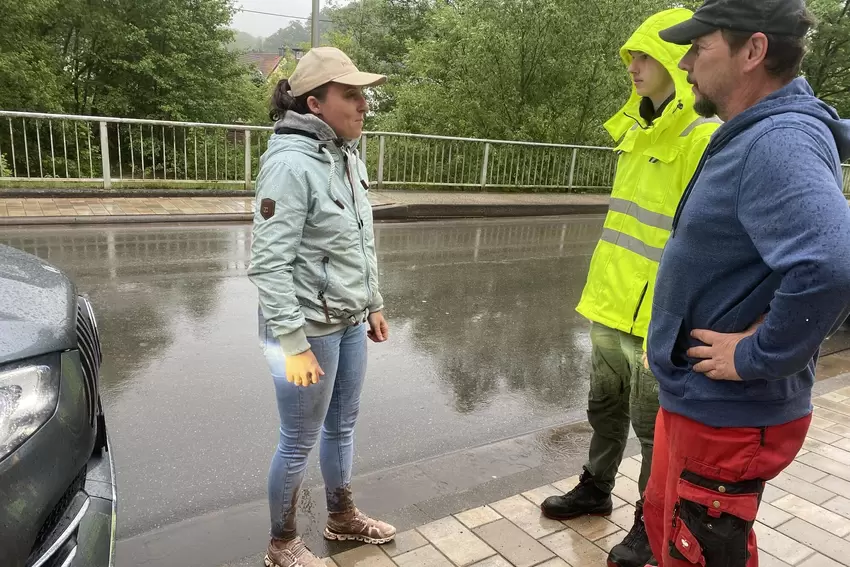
{"type": "Point", "coordinates": [416, 212]}
{"type": "Point", "coordinates": [121, 193]}
{"type": "Point", "coordinates": [446, 211]}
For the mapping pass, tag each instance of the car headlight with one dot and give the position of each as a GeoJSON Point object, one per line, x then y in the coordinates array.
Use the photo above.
{"type": "Point", "coordinates": [28, 397]}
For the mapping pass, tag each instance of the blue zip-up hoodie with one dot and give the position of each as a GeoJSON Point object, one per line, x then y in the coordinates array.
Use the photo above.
{"type": "Point", "coordinates": [763, 227]}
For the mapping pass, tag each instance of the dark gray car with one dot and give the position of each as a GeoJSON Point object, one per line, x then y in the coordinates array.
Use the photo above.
{"type": "Point", "coordinates": [57, 488]}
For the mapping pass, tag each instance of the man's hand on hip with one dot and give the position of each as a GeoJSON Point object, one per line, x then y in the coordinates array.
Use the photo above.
{"type": "Point", "coordinates": [718, 356]}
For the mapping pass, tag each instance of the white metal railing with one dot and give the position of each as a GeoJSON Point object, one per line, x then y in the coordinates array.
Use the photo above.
{"type": "Point", "coordinates": [36, 147]}
{"type": "Point", "coordinates": [417, 160]}
{"type": "Point", "coordinates": [846, 170]}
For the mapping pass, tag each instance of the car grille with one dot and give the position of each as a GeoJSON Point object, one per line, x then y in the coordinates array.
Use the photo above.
{"type": "Point", "coordinates": [91, 357]}
{"type": "Point", "coordinates": [48, 531]}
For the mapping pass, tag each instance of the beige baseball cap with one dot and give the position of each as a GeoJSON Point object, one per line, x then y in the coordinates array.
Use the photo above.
{"type": "Point", "coordinates": [323, 65]}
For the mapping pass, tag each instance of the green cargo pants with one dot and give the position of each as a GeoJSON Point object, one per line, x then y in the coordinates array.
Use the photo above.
{"type": "Point", "coordinates": [622, 391]}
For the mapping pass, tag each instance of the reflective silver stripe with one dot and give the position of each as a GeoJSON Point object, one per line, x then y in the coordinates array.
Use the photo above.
{"type": "Point", "coordinates": [70, 558]}
{"type": "Point", "coordinates": [632, 244]}
{"type": "Point", "coordinates": [65, 535]}
{"type": "Point", "coordinates": [699, 122]}
{"type": "Point", "coordinates": [634, 210]}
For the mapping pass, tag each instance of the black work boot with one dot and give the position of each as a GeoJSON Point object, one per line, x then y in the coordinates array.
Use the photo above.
{"type": "Point", "coordinates": [583, 500]}
{"type": "Point", "coordinates": [634, 550]}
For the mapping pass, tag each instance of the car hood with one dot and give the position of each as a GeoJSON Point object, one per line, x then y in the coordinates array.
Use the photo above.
{"type": "Point", "coordinates": [38, 307]}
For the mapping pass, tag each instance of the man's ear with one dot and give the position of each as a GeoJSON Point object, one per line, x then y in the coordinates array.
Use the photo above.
{"type": "Point", "coordinates": [755, 51]}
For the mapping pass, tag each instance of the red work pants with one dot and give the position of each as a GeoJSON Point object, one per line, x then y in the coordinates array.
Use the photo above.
{"type": "Point", "coordinates": [706, 485]}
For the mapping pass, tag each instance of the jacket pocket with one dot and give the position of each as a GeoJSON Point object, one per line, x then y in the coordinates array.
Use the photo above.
{"type": "Point", "coordinates": [672, 368]}
{"type": "Point", "coordinates": [713, 519]}
{"type": "Point", "coordinates": [659, 174]}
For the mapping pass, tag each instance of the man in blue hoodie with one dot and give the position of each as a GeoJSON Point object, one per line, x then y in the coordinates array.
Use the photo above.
{"type": "Point", "coordinates": [755, 275]}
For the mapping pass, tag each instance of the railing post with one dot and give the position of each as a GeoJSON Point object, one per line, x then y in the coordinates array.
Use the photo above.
{"type": "Point", "coordinates": [104, 156]}
{"type": "Point", "coordinates": [381, 148]}
{"type": "Point", "coordinates": [484, 165]}
{"type": "Point", "coordinates": [572, 168]}
{"type": "Point", "coordinates": [845, 170]}
{"type": "Point", "coordinates": [363, 149]}
{"type": "Point", "coordinates": [247, 160]}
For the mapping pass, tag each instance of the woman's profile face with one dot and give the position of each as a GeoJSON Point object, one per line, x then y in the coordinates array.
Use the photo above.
{"type": "Point", "coordinates": [343, 109]}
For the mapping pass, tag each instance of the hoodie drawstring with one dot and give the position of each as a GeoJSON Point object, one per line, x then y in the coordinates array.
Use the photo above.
{"type": "Point", "coordinates": [324, 149]}
{"type": "Point", "coordinates": [359, 177]}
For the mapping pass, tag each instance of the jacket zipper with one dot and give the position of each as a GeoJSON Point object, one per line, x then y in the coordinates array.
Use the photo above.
{"type": "Point", "coordinates": [687, 193]}
{"type": "Point", "coordinates": [324, 289]}
{"type": "Point", "coordinates": [359, 226]}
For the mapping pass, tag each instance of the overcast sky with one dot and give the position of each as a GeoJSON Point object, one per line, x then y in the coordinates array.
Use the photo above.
{"type": "Point", "coordinates": [262, 25]}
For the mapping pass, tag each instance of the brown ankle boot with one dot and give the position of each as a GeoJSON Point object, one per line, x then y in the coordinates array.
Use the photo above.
{"type": "Point", "coordinates": [357, 526]}
{"type": "Point", "coordinates": [347, 523]}
{"type": "Point", "coordinates": [291, 553]}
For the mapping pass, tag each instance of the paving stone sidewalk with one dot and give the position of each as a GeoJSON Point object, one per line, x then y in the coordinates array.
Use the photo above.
{"type": "Point", "coordinates": [120, 206]}
{"type": "Point", "coordinates": [804, 519]}
{"type": "Point", "coordinates": [127, 206]}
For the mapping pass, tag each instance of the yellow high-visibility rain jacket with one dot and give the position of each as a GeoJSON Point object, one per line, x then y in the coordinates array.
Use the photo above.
{"type": "Point", "coordinates": [655, 164]}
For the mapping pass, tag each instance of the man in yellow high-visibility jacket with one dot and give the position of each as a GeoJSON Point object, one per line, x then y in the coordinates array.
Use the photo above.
{"type": "Point", "coordinates": [661, 140]}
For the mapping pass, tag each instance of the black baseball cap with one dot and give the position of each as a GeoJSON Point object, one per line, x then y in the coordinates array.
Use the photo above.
{"type": "Point", "coordinates": [780, 17]}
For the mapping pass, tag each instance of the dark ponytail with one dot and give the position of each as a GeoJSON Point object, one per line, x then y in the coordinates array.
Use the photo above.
{"type": "Point", "coordinates": [283, 102]}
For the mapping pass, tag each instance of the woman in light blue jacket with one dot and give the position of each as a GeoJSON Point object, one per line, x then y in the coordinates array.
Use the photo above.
{"type": "Point", "coordinates": [313, 262]}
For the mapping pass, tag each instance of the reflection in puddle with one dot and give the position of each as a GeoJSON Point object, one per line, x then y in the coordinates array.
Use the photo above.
{"type": "Point", "coordinates": [485, 345]}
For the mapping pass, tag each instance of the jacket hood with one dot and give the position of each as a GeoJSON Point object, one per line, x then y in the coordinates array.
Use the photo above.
{"type": "Point", "coordinates": [309, 125]}
{"type": "Point", "coordinates": [307, 134]}
{"type": "Point", "coordinates": [311, 136]}
{"type": "Point", "coordinates": [647, 40]}
{"type": "Point", "coordinates": [796, 97]}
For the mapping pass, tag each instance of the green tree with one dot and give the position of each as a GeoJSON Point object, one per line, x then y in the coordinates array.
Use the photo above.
{"type": "Point", "coordinates": [292, 35]}
{"type": "Point", "coordinates": [243, 41]}
{"type": "Point", "coordinates": [162, 58]}
{"type": "Point", "coordinates": [545, 70]}
{"type": "Point", "coordinates": [298, 34]}
{"type": "Point", "coordinates": [145, 58]}
{"type": "Point", "coordinates": [827, 66]}
{"type": "Point", "coordinates": [30, 76]}
{"type": "Point", "coordinates": [378, 35]}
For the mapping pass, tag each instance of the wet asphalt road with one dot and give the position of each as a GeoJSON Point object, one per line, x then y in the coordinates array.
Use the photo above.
{"type": "Point", "coordinates": [485, 345]}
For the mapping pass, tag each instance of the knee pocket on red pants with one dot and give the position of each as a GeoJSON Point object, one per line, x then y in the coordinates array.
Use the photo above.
{"type": "Point", "coordinates": [712, 519]}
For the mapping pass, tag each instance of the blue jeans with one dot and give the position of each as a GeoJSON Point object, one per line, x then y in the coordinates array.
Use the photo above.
{"type": "Point", "coordinates": [331, 406]}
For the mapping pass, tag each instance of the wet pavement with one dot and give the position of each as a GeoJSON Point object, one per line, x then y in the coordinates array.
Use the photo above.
{"type": "Point", "coordinates": [485, 347]}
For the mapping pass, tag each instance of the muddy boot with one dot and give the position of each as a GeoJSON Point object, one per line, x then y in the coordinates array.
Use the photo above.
{"type": "Point", "coordinates": [347, 523]}
{"type": "Point", "coordinates": [583, 500]}
{"type": "Point", "coordinates": [291, 553]}
{"type": "Point", "coordinates": [634, 551]}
